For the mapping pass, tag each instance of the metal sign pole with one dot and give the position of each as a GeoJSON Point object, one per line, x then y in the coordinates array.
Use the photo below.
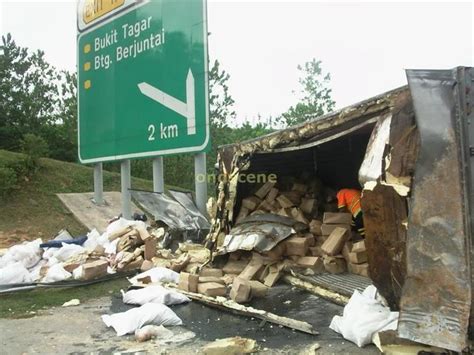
{"type": "Point", "coordinates": [126, 185]}
{"type": "Point", "coordinates": [200, 179]}
{"type": "Point", "coordinates": [158, 180]}
{"type": "Point", "coordinates": [98, 185]}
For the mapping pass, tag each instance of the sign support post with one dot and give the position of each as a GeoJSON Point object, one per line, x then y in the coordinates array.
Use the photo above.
{"type": "Point", "coordinates": [126, 186]}
{"type": "Point", "coordinates": [98, 184]}
{"type": "Point", "coordinates": [200, 179]}
{"type": "Point", "coordinates": [158, 181]}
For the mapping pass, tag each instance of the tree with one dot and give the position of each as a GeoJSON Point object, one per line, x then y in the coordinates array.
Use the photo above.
{"type": "Point", "coordinates": [36, 98]}
{"type": "Point", "coordinates": [316, 97]}
{"type": "Point", "coordinates": [220, 101]}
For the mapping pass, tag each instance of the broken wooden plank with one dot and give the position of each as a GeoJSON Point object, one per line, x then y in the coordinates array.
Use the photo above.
{"type": "Point", "coordinates": [229, 305]}
{"type": "Point", "coordinates": [329, 295]}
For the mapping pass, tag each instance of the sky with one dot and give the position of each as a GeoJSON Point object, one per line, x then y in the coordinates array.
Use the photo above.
{"type": "Point", "coordinates": [364, 46]}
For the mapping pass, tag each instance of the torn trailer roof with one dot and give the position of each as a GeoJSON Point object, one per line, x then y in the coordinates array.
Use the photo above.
{"type": "Point", "coordinates": [408, 150]}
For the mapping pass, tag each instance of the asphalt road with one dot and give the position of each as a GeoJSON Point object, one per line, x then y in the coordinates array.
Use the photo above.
{"type": "Point", "coordinates": [80, 330]}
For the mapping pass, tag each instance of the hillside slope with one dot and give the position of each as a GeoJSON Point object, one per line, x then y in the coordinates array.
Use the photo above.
{"type": "Point", "coordinates": [34, 210]}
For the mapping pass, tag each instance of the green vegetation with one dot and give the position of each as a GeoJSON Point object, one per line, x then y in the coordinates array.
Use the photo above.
{"type": "Point", "coordinates": [33, 209]}
{"type": "Point", "coordinates": [27, 303]}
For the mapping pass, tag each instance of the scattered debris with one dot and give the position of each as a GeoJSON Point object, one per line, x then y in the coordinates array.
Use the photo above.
{"type": "Point", "coordinates": [152, 331]}
{"type": "Point", "coordinates": [234, 307]}
{"type": "Point", "coordinates": [230, 346]}
{"type": "Point", "coordinates": [364, 315]}
{"type": "Point", "coordinates": [73, 302]}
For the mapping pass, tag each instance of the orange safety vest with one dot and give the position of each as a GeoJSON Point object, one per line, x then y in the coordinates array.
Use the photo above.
{"type": "Point", "coordinates": [349, 198]}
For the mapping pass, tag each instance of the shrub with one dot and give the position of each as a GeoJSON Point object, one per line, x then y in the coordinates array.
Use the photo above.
{"type": "Point", "coordinates": [34, 147]}
{"type": "Point", "coordinates": [8, 180]}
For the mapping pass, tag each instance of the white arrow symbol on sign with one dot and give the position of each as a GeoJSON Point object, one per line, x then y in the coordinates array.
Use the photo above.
{"type": "Point", "coordinates": [185, 109]}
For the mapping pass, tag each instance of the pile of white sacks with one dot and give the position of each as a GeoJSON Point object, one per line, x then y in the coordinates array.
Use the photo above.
{"type": "Point", "coordinates": [27, 262]}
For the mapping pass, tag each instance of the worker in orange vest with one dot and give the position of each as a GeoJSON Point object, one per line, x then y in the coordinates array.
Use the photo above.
{"type": "Point", "coordinates": [349, 199]}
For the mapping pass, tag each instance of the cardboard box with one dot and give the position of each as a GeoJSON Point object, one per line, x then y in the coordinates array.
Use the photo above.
{"type": "Point", "coordinates": [284, 202]}
{"type": "Point", "coordinates": [335, 264]}
{"type": "Point", "coordinates": [253, 268]}
{"type": "Point", "coordinates": [235, 266]}
{"type": "Point", "coordinates": [308, 205]}
{"type": "Point", "coordinates": [150, 248]}
{"type": "Point", "coordinates": [326, 229]}
{"type": "Point", "coordinates": [316, 251]}
{"type": "Point", "coordinates": [359, 269]}
{"type": "Point", "coordinates": [337, 218]}
{"type": "Point", "coordinates": [265, 206]}
{"type": "Point", "coordinates": [204, 279]}
{"type": "Point", "coordinates": [244, 212]}
{"type": "Point", "coordinates": [359, 246]}
{"type": "Point", "coordinates": [272, 195]}
{"type": "Point", "coordinates": [240, 291]}
{"type": "Point", "coordinates": [293, 196]}
{"type": "Point", "coordinates": [147, 265]}
{"type": "Point", "coordinates": [258, 289]}
{"type": "Point", "coordinates": [263, 191]}
{"type": "Point", "coordinates": [312, 262]}
{"type": "Point", "coordinates": [311, 239]}
{"type": "Point", "coordinates": [346, 249]}
{"type": "Point", "coordinates": [277, 252]}
{"type": "Point", "coordinates": [188, 282]}
{"type": "Point", "coordinates": [358, 257]}
{"type": "Point", "coordinates": [296, 246]}
{"type": "Point", "coordinates": [251, 202]}
{"type": "Point", "coordinates": [333, 245]}
{"type": "Point", "coordinates": [94, 269]}
{"type": "Point", "coordinates": [272, 274]}
{"type": "Point", "coordinates": [315, 227]}
{"type": "Point", "coordinates": [133, 265]}
{"type": "Point", "coordinates": [207, 271]}
{"type": "Point", "coordinates": [298, 215]}
{"type": "Point", "coordinates": [211, 289]}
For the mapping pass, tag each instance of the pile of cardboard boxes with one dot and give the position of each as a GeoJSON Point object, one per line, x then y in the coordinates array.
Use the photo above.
{"type": "Point", "coordinates": [325, 246]}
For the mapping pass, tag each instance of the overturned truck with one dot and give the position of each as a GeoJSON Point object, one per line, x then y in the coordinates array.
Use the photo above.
{"type": "Point", "coordinates": [409, 151]}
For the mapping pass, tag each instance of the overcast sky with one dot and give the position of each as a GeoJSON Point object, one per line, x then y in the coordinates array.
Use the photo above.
{"type": "Point", "coordinates": [365, 46]}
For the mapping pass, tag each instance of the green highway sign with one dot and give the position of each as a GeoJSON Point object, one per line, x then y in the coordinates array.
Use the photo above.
{"type": "Point", "coordinates": [142, 79]}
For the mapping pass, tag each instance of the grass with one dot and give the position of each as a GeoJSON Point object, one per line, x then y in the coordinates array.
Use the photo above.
{"type": "Point", "coordinates": [33, 210]}
{"type": "Point", "coordinates": [25, 304]}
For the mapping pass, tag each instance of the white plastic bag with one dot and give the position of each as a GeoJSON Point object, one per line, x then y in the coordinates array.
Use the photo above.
{"type": "Point", "coordinates": [158, 274]}
{"type": "Point", "coordinates": [151, 313]}
{"type": "Point", "coordinates": [92, 241]}
{"type": "Point", "coordinates": [35, 271]}
{"type": "Point", "coordinates": [121, 223]}
{"type": "Point", "coordinates": [28, 254]}
{"type": "Point", "coordinates": [154, 294]}
{"type": "Point", "coordinates": [14, 273]}
{"type": "Point", "coordinates": [56, 273]}
{"type": "Point", "coordinates": [58, 255]}
{"type": "Point", "coordinates": [364, 316]}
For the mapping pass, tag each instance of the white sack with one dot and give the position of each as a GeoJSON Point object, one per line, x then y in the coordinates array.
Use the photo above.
{"type": "Point", "coordinates": [58, 255]}
{"type": "Point", "coordinates": [158, 274]}
{"type": "Point", "coordinates": [35, 271]}
{"type": "Point", "coordinates": [28, 254]}
{"type": "Point", "coordinates": [121, 223]}
{"type": "Point", "coordinates": [110, 247]}
{"type": "Point", "coordinates": [154, 294]}
{"type": "Point", "coordinates": [14, 273]}
{"type": "Point", "coordinates": [151, 313]}
{"type": "Point", "coordinates": [56, 273]}
{"type": "Point", "coordinates": [364, 316]}
{"type": "Point", "coordinates": [92, 241]}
